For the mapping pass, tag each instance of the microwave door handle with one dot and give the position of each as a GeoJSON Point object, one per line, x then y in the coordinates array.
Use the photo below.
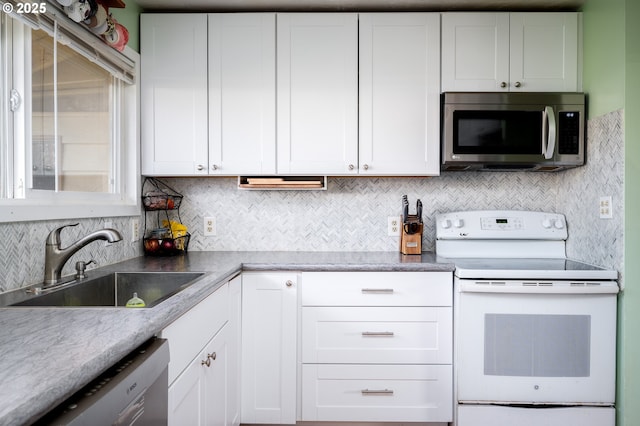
{"type": "Point", "coordinates": [549, 132]}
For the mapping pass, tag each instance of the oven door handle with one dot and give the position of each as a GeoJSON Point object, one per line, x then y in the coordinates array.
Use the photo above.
{"type": "Point", "coordinates": [548, 132]}
{"type": "Point", "coordinates": [541, 287]}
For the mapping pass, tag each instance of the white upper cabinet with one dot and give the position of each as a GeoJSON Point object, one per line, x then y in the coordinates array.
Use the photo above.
{"type": "Point", "coordinates": [544, 51]}
{"type": "Point", "coordinates": [208, 94]}
{"type": "Point", "coordinates": [399, 94]}
{"type": "Point", "coordinates": [242, 90]}
{"type": "Point", "coordinates": [317, 86]}
{"type": "Point", "coordinates": [332, 93]}
{"type": "Point", "coordinates": [173, 86]}
{"type": "Point", "coordinates": [529, 52]}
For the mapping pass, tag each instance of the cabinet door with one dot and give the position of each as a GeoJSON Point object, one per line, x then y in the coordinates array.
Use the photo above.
{"type": "Point", "coordinates": [173, 91]}
{"type": "Point", "coordinates": [233, 348]}
{"type": "Point", "coordinates": [214, 364]}
{"type": "Point", "coordinates": [544, 52]}
{"type": "Point", "coordinates": [198, 396]}
{"type": "Point", "coordinates": [475, 52]}
{"type": "Point", "coordinates": [269, 312]}
{"type": "Point", "coordinates": [242, 93]}
{"type": "Point", "coordinates": [186, 397]}
{"type": "Point", "coordinates": [399, 94]}
{"type": "Point", "coordinates": [317, 84]}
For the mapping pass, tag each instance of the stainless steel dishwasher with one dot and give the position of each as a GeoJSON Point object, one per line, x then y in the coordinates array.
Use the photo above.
{"type": "Point", "coordinates": [132, 392]}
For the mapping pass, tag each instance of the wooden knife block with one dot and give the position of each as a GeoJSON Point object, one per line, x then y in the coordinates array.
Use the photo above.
{"type": "Point", "coordinates": [411, 243]}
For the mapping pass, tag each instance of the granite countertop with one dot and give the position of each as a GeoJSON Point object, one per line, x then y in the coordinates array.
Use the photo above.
{"type": "Point", "coordinates": [46, 354]}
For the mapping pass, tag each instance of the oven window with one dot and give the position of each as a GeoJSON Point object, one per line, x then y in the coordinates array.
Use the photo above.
{"type": "Point", "coordinates": [497, 132]}
{"type": "Point", "coordinates": [537, 345]}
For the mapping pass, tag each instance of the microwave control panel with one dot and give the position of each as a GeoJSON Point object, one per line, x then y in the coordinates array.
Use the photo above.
{"type": "Point", "coordinates": [569, 132]}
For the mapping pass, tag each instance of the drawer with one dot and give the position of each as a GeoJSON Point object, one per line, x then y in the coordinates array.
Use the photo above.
{"type": "Point", "coordinates": [377, 288]}
{"type": "Point", "coordinates": [377, 335]}
{"type": "Point", "coordinates": [390, 393]}
{"type": "Point", "coordinates": [190, 333]}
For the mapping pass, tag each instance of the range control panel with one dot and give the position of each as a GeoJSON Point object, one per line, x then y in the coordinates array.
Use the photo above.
{"type": "Point", "coordinates": [501, 225]}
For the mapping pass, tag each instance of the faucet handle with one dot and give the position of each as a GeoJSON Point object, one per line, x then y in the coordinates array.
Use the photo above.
{"type": "Point", "coordinates": [80, 268]}
{"type": "Point", "coordinates": [54, 236]}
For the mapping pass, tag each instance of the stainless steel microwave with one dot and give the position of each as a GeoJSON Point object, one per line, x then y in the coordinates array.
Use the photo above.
{"type": "Point", "coordinates": [512, 131]}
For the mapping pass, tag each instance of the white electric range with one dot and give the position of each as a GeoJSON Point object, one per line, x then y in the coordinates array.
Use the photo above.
{"type": "Point", "coordinates": [535, 332]}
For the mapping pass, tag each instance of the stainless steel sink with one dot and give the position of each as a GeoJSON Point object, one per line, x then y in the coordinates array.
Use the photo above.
{"type": "Point", "coordinates": [116, 289]}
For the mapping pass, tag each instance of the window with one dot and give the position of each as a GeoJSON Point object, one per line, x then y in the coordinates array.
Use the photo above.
{"type": "Point", "coordinates": [69, 138]}
{"type": "Point", "coordinates": [71, 119]}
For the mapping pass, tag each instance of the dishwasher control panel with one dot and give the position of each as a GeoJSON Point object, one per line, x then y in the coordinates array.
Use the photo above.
{"type": "Point", "coordinates": [501, 225]}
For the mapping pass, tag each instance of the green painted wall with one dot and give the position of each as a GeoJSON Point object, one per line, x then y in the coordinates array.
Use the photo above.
{"type": "Point", "coordinates": [630, 371]}
{"type": "Point", "coordinates": [130, 18]}
{"type": "Point", "coordinates": [604, 55]}
{"type": "Point", "coordinates": [612, 81]}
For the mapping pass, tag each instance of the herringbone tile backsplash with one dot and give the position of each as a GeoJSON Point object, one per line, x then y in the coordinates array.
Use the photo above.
{"type": "Point", "coordinates": [352, 213]}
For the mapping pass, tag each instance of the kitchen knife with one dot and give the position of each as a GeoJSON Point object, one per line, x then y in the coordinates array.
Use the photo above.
{"type": "Point", "coordinates": [405, 209]}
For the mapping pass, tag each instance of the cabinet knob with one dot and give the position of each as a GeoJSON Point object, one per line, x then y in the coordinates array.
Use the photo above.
{"type": "Point", "coordinates": [210, 357]}
{"type": "Point", "coordinates": [351, 167]}
{"type": "Point", "coordinates": [199, 167]}
{"type": "Point", "coordinates": [289, 283]}
{"type": "Point", "coordinates": [503, 84]}
{"type": "Point", "coordinates": [518, 84]}
{"type": "Point", "coordinates": [365, 167]}
{"type": "Point", "coordinates": [215, 167]}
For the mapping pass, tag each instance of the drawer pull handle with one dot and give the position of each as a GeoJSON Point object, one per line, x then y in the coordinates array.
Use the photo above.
{"type": "Point", "coordinates": [377, 391]}
{"type": "Point", "coordinates": [377, 333]}
{"type": "Point", "coordinates": [377, 290]}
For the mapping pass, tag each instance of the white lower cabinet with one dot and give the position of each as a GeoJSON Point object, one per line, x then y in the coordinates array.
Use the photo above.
{"type": "Point", "coordinates": [198, 395]}
{"type": "Point", "coordinates": [374, 346]}
{"type": "Point", "coordinates": [391, 393]}
{"type": "Point", "coordinates": [269, 347]}
{"type": "Point", "coordinates": [203, 371]}
{"type": "Point", "coordinates": [377, 335]}
{"type": "Point", "coordinates": [377, 346]}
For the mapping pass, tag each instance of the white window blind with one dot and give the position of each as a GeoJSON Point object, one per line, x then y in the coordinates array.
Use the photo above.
{"type": "Point", "coordinates": [71, 33]}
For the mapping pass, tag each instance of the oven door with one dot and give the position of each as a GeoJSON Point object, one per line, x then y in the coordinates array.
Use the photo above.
{"type": "Point", "coordinates": [535, 345]}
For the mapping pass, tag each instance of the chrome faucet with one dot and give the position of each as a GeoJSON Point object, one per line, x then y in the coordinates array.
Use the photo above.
{"type": "Point", "coordinates": [55, 256]}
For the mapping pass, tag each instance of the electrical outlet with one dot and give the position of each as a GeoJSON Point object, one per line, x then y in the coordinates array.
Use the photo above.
{"type": "Point", "coordinates": [135, 230]}
{"type": "Point", "coordinates": [393, 226]}
{"type": "Point", "coordinates": [209, 226]}
{"type": "Point", "coordinates": [605, 207]}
